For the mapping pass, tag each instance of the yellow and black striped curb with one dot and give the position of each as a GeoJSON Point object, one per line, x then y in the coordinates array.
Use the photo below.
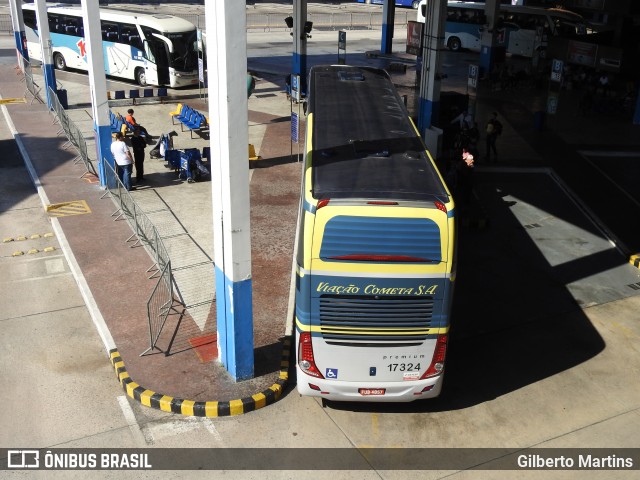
{"type": "Point", "coordinates": [192, 408]}
{"type": "Point", "coordinates": [65, 209]}
{"type": "Point", "coordinates": [635, 260]}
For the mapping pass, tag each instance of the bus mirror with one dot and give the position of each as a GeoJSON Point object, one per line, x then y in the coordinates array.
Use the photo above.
{"type": "Point", "coordinates": [423, 9]}
{"type": "Point", "coordinates": [289, 22]}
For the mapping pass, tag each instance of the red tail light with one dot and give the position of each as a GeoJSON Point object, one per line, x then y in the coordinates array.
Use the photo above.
{"type": "Point", "coordinates": [305, 356]}
{"type": "Point", "coordinates": [322, 203]}
{"type": "Point", "coordinates": [437, 364]}
{"type": "Point", "coordinates": [440, 206]}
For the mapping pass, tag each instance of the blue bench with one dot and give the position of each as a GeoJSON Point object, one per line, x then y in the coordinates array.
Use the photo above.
{"type": "Point", "coordinates": [196, 122]}
{"type": "Point", "coordinates": [116, 122]}
{"type": "Point", "coordinates": [189, 118]}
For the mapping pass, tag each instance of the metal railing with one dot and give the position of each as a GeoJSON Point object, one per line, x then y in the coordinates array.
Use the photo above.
{"type": "Point", "coordinates": [73, 134]}
{"type": "Point", "coordinates": [162, 300]}
{"type": "Point", "coordinates": [275, 21]}
{"type": "Point", "coordinates": [32, 87]}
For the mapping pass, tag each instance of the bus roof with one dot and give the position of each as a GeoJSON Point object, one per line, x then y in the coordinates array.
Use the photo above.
{"type": "Point", "coordinates": [160, 21]}
{"type": "Point", "coordinates": [364, 144]}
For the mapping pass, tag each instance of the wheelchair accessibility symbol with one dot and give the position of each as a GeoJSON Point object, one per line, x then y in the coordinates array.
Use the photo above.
{"type": "Point", "coordinates": [331, 373]}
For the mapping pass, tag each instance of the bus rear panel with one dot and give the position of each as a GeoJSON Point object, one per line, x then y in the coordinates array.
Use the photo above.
{"type": "Point", "coordinates": [375, 259]}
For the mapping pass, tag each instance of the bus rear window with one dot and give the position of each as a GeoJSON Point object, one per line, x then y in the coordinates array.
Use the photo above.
{"type": "Point", "coordinates": [381, 239]}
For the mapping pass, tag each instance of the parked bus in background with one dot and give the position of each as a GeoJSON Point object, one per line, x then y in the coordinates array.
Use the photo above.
{"type": "Point", "coordinates": [399, 3]}
{"type": "Point", "coordinates": [522, 30]}
{"type": "Point", "coordinates": [150, 49]}
{"type": "Point", "coordinates": [375, 258]}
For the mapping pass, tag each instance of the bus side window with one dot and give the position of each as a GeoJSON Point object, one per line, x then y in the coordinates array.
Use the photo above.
{"type": "Point", "coordinates": [29, 17]}
{"type": "Point", "coordinates": [110, 31]}
{"type": "Point", "coordinates": [129, 35]}
{"type": "Point", "coordinates": [54, 24]}
{"type": "Point", "coordinates": [148, 53]}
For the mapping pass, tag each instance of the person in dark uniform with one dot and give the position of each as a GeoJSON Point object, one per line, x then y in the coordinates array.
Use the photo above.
{"type": "Point", "coordinates": [138, 144]}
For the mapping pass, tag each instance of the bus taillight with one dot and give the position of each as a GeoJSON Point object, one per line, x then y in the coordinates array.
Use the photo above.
{"type": "Point", "coordinates": [440, 206]}
{"type": "Point", "coordinates": [322, 203]}
{"type": "Point", "coordinates": [437, 364]}
{"type": "Point", "coordinates": [305, 356]}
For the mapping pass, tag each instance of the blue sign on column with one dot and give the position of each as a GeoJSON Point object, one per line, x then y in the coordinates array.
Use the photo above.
{"type": "Point", "coordinates": [294, 127]}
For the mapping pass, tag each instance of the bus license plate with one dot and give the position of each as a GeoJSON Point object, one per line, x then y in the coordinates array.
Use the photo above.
{"type": "Point", "coordinates": [372, 391]}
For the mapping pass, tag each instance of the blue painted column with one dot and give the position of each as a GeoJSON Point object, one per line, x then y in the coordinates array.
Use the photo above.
{"type": "Point", "coordinates": [94, 56]}
{"type": "Point", "coordinates": [17, 21]}
{"type": "Point", "coordinates": [488, 37]}
{"type": "Point", "coordinates": [433, 42]}
{"type": "Point", "coordinates": [300, 43]}
{"type": "Point", "coordinates": [388, 16]}
{"type": "Point", "coordinates": [229, 140]}
{"type": "Point", "coordinates": [45, 48]}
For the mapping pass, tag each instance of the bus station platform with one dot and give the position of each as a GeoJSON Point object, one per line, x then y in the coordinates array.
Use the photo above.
{"type": "Point", "coordinates": [182, 375]}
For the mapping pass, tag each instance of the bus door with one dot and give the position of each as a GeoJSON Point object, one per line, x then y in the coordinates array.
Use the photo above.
{"type": "Point", "coordinates": [156, 51]}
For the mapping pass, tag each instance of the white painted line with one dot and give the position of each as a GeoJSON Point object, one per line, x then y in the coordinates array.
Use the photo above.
{"type": "Point", "coordinates": [85, 291]}
{"type": "Point", "coordinates": [132, 423]}
{"type": "Point", "coordinates": [210, 426]}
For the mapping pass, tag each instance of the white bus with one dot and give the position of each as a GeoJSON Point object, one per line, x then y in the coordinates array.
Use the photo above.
{"type": "Point", "coordinates": [522, 30]}
{"type": "Point", "coordinates": [152, 49]}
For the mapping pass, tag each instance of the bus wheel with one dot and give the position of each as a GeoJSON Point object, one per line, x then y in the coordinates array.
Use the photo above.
{"type": "Point", "coordinates": [141, 77]}
{"type": "Point", "coordinates": [454, 44]}
{"type": "Point", "coordinates": [58, 61]}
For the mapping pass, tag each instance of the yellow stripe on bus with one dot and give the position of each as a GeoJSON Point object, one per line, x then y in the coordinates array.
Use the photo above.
{"type": "Point", "coordinates": [372, 331]}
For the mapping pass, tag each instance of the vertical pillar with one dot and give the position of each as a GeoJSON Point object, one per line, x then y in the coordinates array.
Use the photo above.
{"type": "Point", "coordinates": [388, 17]}
{"type": "Point", "coordinates": [300, 42]}
{"type": "Point", "coordinates": [488, 38]}
{"type": "Point", "coordinates": [91, 47]}
{"type": "Point", "coordinates": [636, 113]}
{"type": "Point", "coordinates": [229, 137]}
{"type": "Point", "coordinates": [17, 22]}
{"type": "Point", "coordinates": [433, 41]}
{"type": "Point", "coordinates": [45, 48]}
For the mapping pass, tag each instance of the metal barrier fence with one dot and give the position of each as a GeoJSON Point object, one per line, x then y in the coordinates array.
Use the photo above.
{"type": "Point", "coordinates": [32, 87]}
{"type": "Point", "coordinates": [6, 27]}
{"type": "Point", "coordinates": [162, 300]}
{"type": "Point", "coordinates": [74, 136]}
{"type": "Point", "coordinates": [275, 21]}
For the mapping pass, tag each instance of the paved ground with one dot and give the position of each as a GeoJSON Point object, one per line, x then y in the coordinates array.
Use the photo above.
{"type": "Point", "coordinates": [116, 274]}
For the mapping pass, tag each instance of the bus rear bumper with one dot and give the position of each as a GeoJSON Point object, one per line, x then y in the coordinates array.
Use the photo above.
{"type": "Point", "coordinates": [407, 391]}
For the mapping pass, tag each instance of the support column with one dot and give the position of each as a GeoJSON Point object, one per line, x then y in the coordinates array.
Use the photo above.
{"type": "Point", "coordinates": [90, 47]}
{"type": "Point", "coordinates": [45, 48]}
{"type": "Point", "coordinates": [488, 38]}
{"type": "Point", "coordinates": [300, 42]}
{"type": "Point", "coordinates": [388, 17]}
{"type": "Point", "coordinates": [433, 42]}
{"type": "Point", "coordinates": [229, 137]}
{"type": "Point", "coordinates": [17, 22]}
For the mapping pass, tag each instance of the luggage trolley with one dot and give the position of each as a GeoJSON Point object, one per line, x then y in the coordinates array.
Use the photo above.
{"type": "Point", "coordinates": [188, 164]}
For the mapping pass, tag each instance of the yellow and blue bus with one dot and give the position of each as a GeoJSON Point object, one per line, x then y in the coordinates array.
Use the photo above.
{"type": "Point", "coordinates": [375, 258]}
{"type": "Point", "coordinates": [150, 49]}
{"type": "Point", "coordinates": [523, 30]}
